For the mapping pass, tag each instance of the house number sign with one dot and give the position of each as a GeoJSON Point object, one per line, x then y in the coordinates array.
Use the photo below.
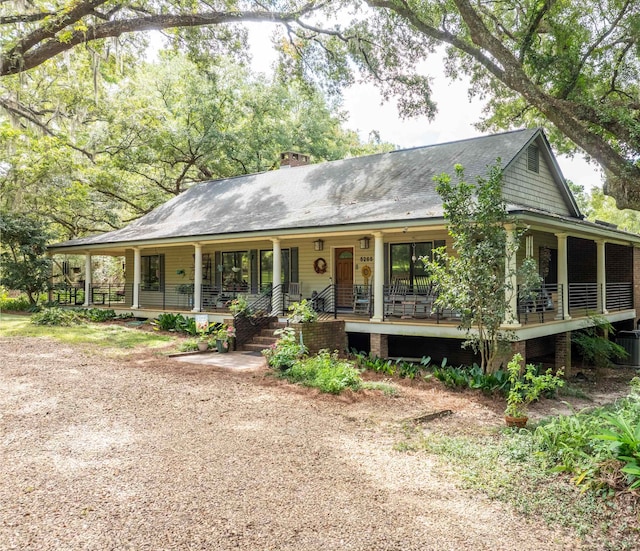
{"type": "Point", "coordinates": [366, 259]}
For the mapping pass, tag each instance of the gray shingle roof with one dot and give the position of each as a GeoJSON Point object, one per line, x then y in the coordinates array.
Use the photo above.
{"type": "Point", "coordinates": [376, 188]}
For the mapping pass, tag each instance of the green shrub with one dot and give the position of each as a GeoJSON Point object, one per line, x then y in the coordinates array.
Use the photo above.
{"type": "Point", "coordinates": [591, 444]}
{"type": "Point", "coordinates": [473, 377]}
{"type": "Point", "coordinates": [284, 353]}
{"type": "Point", "coordinates": [56, 316]}
{"type": "Point", "coordinates": [373, 363]}
{"type": "Point", "coordinates": [594, 347]}
{"type": "Point", "coordinates": [528, 387]}
{"type": "Point", "coordinates": [97, 314]}
{"type": "Point", "coordinates": [325, 372]}
{"type": "Point", "coordinates": [19, 304]}
{"type": "Point", "coordinates": [168, 322]}
{"type": "Point", "coordinates": [187, 325]}
{"type": "Point", "coordinates": [302, 312]}
{"type": "Point", "coordinates": [188, 345]}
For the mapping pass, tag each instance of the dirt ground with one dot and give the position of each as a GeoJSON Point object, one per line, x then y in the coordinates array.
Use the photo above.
{"type": "Point", "coordinates": [105, 450]}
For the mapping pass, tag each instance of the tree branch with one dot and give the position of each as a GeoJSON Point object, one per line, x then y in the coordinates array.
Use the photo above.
{"type": "Point", "coordinates": [42, 44]}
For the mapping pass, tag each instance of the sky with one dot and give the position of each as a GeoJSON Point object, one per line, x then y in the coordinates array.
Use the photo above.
{"type": "Point", "coordinates": [454, 120]}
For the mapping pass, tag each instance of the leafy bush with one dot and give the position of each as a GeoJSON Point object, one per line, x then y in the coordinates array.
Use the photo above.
{"type": "Point", "coordinates": [374, 363]}
{"type": "Point", "coordinates": [302, 312]}
{"type": "Point", "coordinates": [189, 345]}
{"type": "Point", "coordinates": [325, 372]}
{"type": "Point", "coordinates": [56, 316]}
{"type": "Point", "coordinates": [187, 325]}
{"type": "Point", "coordinates": [600, 447]}
{"type": "Point", "coordinates": [472, 377]}
{"type": "Point", "coordinates": [284, 353]}
{"type": "Point", "coordinates": [97, 314]}
{"type": "Point", "coordinates": [595, 348]}
{"type": "Point", "coordinates": [403, 369]}
{"type": "Point", "coordinates": [168, 322]}
{"type": "Point", "coordinates": [18, 304]}
{"type": "Point", "coordinates": [527, 388]}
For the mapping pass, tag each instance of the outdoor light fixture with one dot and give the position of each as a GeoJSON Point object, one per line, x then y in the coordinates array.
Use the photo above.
{"type": "Point", "coordinates": [318, 245]}
{"type": "Point", "coordinates": [364, 242]}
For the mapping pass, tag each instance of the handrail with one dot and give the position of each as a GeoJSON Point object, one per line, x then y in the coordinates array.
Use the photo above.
{"type": "Point", "coordinates": [324, 303]}
{"type": "Point", "coordinates": [256, 316]}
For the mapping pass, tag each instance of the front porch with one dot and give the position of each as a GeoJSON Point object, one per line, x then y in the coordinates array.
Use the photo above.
{"type": "Point", "coordinates": [401, 303]}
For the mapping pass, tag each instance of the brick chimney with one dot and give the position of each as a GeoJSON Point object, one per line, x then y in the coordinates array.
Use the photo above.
{"type": "Point", "coordinates": [290, 159]}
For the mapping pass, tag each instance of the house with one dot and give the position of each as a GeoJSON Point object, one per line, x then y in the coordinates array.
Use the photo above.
{"type": "Point", "coordinates": [349, 234]}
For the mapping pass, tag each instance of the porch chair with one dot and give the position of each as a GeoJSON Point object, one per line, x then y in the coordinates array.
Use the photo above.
{"type": "Point", "coordinates": [361, 299]}
{"type": "Point", "coordinates": [395, 298]}
{"type": "Point", "coordinates": [294, 293]}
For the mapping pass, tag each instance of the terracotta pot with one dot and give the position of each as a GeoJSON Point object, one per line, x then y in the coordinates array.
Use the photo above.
{"type": "Point", "coordinates": [203, 346]}
{"type": "Point", "coordinates": [519, 422]}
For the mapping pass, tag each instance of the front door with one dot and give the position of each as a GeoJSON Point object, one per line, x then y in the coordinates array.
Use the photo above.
{"type": "Point", "coordinates": [344, 277]}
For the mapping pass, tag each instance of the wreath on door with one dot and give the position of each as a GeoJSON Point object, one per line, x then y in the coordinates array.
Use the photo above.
{"type": "Point", "coordinates": [320, 265]}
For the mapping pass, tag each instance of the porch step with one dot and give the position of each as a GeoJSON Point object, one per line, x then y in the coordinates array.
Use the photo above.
{"type": "Point", "coordinates": [267, 340]}
{"type": "Point", "coordinates": [252, 347]}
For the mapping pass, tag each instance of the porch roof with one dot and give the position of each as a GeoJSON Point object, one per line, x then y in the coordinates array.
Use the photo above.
{"type": "Point", "coordinates": [383, 188]}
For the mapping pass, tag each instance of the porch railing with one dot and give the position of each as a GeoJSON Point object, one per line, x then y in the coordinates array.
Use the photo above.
{"type": "Point", "coordinates": [66, 294]}
{"type": "Point", "coordinates": [324, 303]}
{"type": "Point", "coordinates": [619, 296]}
{"type": "Point", "coordinates": [110, 295]}
{"type": "Point", "coordinates": [583, 296]}
{"type": "Point", "coordinates": [100, 294]}
{"type": "Point", "coordinates": [540, 305]}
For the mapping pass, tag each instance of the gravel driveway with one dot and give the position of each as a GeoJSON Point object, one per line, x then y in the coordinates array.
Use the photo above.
{"type": "Point", "coordinates": [105, 451]}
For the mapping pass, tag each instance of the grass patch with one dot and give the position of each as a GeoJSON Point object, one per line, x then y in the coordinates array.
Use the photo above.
{"type": "Point", "coordinates": [504, 468]}
{"type": "Point", "coordinates": [109, 336]}
{"type": "Point", "coordinates": [325, 372]}
{"type": "Point", "coordinates": [576, 471]}
{"type": "Point", "coordinates": [386, 388]}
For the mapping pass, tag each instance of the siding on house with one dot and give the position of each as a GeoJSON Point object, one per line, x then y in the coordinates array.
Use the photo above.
{"type": "Point", "coordinates": [538, 190]}
{"type": "Point", "coordinates": [181, 258]}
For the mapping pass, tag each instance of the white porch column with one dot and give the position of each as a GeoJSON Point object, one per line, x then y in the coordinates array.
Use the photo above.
{"type": "Point", "coordinates": [197, 278]}
{"type": "Point", "coordinates": [511, 267]}
{"type": "Point", "coordinates": [563, 273]}
{"type": "Point", "coordinates": [137, 277]}
{"type": "Point", "coordinates": [601, 277]}
{"type": "Point", "coordinates": [87, 280]}
{"type": "Point", "coordinates": [378, 277]}
{"type": "Point", "coordinates": [276, 298]}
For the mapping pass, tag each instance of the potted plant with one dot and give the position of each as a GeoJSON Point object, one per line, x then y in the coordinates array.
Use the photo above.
{"type": "Point", "coordinates": [223, 336]}
{"type": "Point", "coordinates": [203, 341]}
{"type": "Point", "coordinates": [526, 388]}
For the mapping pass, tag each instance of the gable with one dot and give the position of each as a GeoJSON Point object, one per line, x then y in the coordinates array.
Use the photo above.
{"type": "Point", "coordinates": [524, 186]}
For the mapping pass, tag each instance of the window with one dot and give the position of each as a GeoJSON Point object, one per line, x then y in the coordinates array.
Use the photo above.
{"type": "Point", "coordinates": [152, 271]}
{"type": "Point", "coordinates": [235, 270]}
{"type": "Point", "coordinates": [533, 158]}
{"type": "Point", "coordinates": [404, 267]}
{"type": "Point", "coordinates": [266, 268]}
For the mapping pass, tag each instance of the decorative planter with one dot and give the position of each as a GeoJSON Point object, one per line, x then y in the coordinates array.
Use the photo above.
{"type": "Point", "coordinates": [519, 422]}
{"type": "Point", "coordinates": [223, 347]}
{"type": "Point", "coordinates": [203, 346]}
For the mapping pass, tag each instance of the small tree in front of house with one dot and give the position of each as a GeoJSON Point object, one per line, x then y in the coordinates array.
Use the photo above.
{"type": "Point", "coordinates": [473, 280]}
{"type": "Point", "coordinates": [24, 266]}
